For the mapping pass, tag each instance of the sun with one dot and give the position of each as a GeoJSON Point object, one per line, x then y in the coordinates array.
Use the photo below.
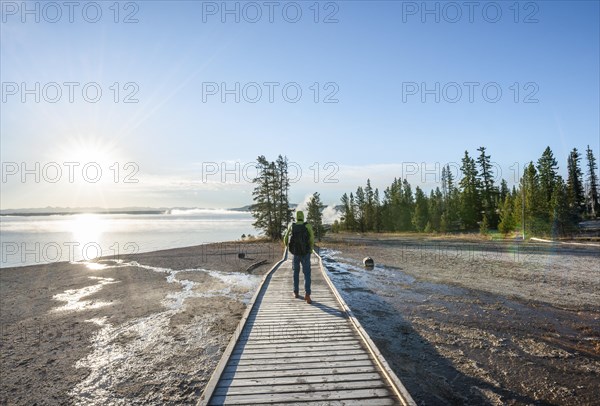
{"type": "Point", "coordinates": [84, 150]}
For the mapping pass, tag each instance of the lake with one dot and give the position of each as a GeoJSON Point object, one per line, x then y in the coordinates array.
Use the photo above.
{"type": "Point", "coordinates": [30, 240]}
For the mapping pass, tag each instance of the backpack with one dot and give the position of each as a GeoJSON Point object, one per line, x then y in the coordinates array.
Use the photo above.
{"type": "Point", "coordinates": [299, 243]}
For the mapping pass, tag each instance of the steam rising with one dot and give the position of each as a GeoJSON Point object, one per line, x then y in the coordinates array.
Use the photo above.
{"type": "Point", "coordinates": [330, 214]}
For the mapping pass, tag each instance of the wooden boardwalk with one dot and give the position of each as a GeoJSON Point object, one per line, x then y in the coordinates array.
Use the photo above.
{"type": "Point", "coordinates": [287, 351]}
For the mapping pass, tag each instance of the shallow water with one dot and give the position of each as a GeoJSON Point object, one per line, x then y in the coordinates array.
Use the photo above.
{"type": "Point", "coordinates": [74, 297]}
{"type": "Point", "coordinates": [147, 348]}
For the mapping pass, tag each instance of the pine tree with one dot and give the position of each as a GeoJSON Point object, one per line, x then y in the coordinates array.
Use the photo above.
{"type": "Point", "coordinates": [406, 207]}
{"type": "Point", "coordinates": [263, 208]}
{"type": "Point", "coordinates": [504, 191]}
{"type": "Point", "coordinates": [314, 215]}
{"type": "Point", "coordinates": [562, 223]}
{"type": "Point", "coordinates": [369, 207]}
{"type": "Point", "coordinates": [361, 206]}
{"type": "Point", "coordinates": [548, 171]}
{"type": "Point", "coordinates": [271, 209]}
{"type": "Point", "coordinates": [592, 198]}
{"type": "Point", "coordinates": [518, 206]}
{"type": "Point", "coordinates": [451, 204]}
{"type": "Point", "coordinates": [353, 213]}
{"type": "Point", "coordinates": [421, 212]}
{"type": "Point", "coordinates": [436, 203]}
{"type": "Point", "coordinates": [484, 226]}
{"type": "Point", "coordinates": [378, 212]}
{"type": "Point", "coordinates": [507, 218]}
{"type": "Point", "coordinates": [488, 191]}
{"type": "Point", "coordinates": [347, 220]}
{"type": "Point", "coordinates": [575, 193]}
{"type": "Point", "coordinates": [284, 212]}
{"type": "Point", "coordinates": [534, 223]}
{"type": "Point", "coordinates": [470, 201]}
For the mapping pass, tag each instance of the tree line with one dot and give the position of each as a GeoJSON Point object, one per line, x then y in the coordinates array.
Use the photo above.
{"type": "Point", "coordinates": [543, 203]}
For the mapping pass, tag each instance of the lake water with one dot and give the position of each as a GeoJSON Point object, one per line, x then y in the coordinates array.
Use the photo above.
{"type": "Point", "coordinates": [30, 240]}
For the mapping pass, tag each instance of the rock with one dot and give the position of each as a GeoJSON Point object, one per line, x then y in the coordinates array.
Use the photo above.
{"type": "Point", "coordinates": [368, 262]}
{"type": "Point", "coordinates": [242, 255]}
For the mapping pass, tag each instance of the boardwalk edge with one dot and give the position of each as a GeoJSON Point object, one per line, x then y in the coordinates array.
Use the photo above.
{"type": "Point", "coordinates": [387, 371]}
{"type": "Point", "coordinates": [216, 375]}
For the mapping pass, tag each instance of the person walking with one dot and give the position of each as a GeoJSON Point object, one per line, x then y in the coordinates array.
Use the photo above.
{"type": "Point", "coordinates": [300, 239]}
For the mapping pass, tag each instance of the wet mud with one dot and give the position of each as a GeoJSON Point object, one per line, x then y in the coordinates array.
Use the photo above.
{"type": "Point", "coordinates": [453, 337]}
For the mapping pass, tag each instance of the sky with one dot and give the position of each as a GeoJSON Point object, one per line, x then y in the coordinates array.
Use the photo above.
{"type": "Point", "coordinates": [168, 104]}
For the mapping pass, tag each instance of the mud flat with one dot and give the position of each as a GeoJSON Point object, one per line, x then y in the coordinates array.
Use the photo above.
{"type": "Point", "coordinates": [476, 322]}
{"type": "Point", "coordinates": [141, 329]}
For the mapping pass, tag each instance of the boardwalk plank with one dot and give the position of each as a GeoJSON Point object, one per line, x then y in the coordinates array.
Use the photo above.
{"type": "Point", "coordinates": [227, 390]}
{"type": "Point", "coordinates": [303, 354]}
{"type": "Point", "coordinates": [293, 397]}
{"type": "Point", "coordinates": [298, 367]}
{"type": "Point", "coordinates": [317, 371]}
{"type": "Point", "coordinates": [310, 379]}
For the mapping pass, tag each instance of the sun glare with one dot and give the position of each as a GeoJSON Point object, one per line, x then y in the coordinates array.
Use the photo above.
{"type": "Point", "coordinates": [89, 150]}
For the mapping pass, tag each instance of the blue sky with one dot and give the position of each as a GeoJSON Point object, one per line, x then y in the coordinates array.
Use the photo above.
{"type": "Point", "coordinates": [372, 57]}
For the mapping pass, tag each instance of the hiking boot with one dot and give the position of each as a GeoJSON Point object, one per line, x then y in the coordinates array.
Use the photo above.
{"type": "Point", "coordinates": [307, 298]}
{"type": "Point", "coordinates": [296, 295]}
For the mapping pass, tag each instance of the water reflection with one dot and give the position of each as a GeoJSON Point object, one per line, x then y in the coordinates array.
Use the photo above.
{"type": "Point", "coordinates": [87, 228]}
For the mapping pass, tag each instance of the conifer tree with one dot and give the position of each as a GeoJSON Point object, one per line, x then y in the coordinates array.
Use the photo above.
{"type": "Point", "coordinates": [488, 191]}
{"type": "Point", "coordinates": [361, 206]}
{"type": "Point", "coordinates": [284, 212]}
{"type": "Point", "coordinates": [369, 207]}
{"type": "Point", "coordinates": [507, 218]}
{"type": "Point", "coordinates": [421, 212]}
{"type": "Point", "coordinates": [378, 211]}
{"type": "Point", "coordinates": [436, 203]}
{"type": "Point", "coordinates": [592, 178]}
{"type": "Point", "coordinates": [562, 223]}
{"type": "Point", "coordinates": [406, 207]}
{"type": "Point", "coordinates": [575, 192]}
{"type": "Point", "coordinates": [347, 219]}
{"type": "Point", "coordinates": [547, 169]}
{"type": "Point", "coordinates": [469, 193]}
{"type": "Point", "coordinates": [270, 198]}
{"type": "Point", "coordinates": [314, 215]}
{"type": "Point", "coordinates": [530, 185]}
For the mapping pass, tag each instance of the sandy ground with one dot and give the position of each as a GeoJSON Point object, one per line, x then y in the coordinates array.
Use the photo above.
{"type": "Point", "coordinates": [475, 322]}
{"type": "Point", "coordinates": [142, 329]}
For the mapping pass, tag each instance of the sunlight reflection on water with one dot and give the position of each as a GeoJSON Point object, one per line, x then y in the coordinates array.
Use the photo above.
{"type": "Point", "coordinates": [55, 238]}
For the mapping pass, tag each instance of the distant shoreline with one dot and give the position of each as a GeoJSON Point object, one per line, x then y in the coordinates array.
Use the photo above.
{"type": "Point", "coordinates": [69, 213]}
{"type": "Point", "coordinates": [97, 210]}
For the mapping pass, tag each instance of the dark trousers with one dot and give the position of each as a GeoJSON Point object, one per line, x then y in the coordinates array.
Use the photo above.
{"type": "Point", "coordinates": [303, 260]}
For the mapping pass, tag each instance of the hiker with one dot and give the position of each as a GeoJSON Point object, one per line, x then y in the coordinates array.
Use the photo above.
{"type": "Point", "coordinates": [300, 239]}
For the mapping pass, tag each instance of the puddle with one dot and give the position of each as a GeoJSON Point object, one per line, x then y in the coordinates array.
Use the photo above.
{"type": "Point", "coordinates": [73, 296]}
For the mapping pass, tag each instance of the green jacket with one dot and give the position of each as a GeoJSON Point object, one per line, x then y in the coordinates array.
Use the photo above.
{"type": "Point", "coordinates": [311, 234]}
